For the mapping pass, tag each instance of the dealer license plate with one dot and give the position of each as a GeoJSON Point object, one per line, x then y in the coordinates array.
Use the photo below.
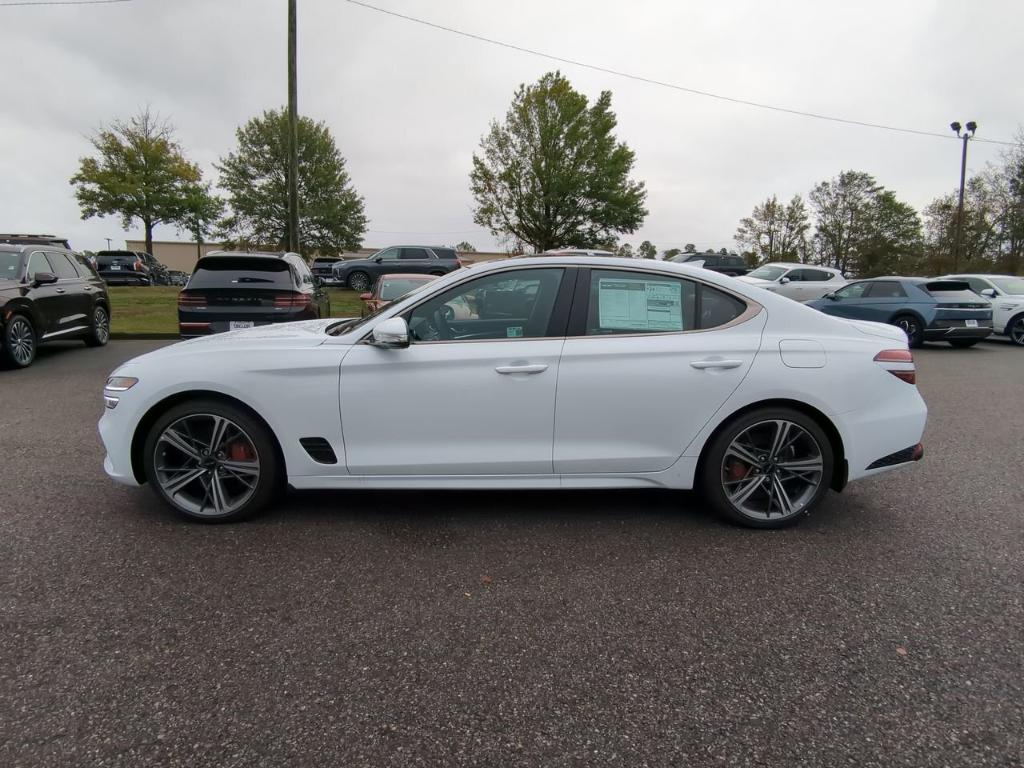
{"type": "Point", "coordinates": [115, 267]}
{"type": "Point", "coordinates": [237, 325]}
{"type": "Point", "coordinates": [971, 323]}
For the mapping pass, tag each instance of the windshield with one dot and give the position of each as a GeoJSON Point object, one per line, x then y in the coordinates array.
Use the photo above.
{"type": "Point", "coordinates": [350, 325]}
{"type": "Point", "coordinates": [1011, 285]}
{"type": "Point", "coordinates": [10, 265]}
{"type": "Point", "coordinates": [768, 273]}
{"type": "Point", "coordinates": [395, 288]}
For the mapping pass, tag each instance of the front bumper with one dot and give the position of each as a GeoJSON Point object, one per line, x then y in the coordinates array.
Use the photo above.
{"type": "Point", "coordinates": [116, 434]}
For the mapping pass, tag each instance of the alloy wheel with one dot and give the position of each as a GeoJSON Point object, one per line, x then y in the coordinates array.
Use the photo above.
{"type": "Point", "coordinates": [772, 470]}
{"type": "Point", "coordinates": [1017, 332]}
{"type": "Point", "coordinates": [909, 327]}
{"type": "Point", "coordinates": [206, 464]}
{"type": "Point", "coordinates": [359, 282]}
{"type": "Point", "coordinates": [101, 325]}
{"type": "Point", "coordinates": [21, 341]}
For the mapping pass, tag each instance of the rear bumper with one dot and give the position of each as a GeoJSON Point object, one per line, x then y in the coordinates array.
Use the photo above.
{"type": "Point", "coordinates": [124, 278]}
{"type": "Point", "coordinates": [961, 332]}
{"type": "Point", "coordinates": [876, 438]}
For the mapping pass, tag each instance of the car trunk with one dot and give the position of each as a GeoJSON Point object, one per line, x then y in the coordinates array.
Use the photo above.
{"type": "Point", "coordinates": [957, 304]}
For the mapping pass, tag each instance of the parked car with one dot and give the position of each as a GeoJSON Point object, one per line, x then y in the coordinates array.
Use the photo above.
{"type": "Point", "coordinates": [46, 240]}
{"type": "Point", "coordinates": [724, 264]}
{"type": "Point", "coordinates": [926, 309]}
{"type": "Point", "coordinates": [801, 282]}
{"type": "Point", "coordinates": [158, 273]}
{"type": "Point", "coordinates": [229, 291]}
{"type": "Point", "coordinates": [359, 274]}
{"type": "Point", "coordinates": [48, 294]}
{"type": "Point", "coordinates": [323, 267]}
{"type": "Point", "coordinates": [123, 268]}
{"type": "Point", "coordinates": [391, 287]}
{"type": "Point", "coordinates": [781, 402]}
{"type": "Point", "coordinates": [176, 277]}
{"type": "Point", "coordinates": [578, 252]}
{"type": "Point", "coordinates": [1006, 292]}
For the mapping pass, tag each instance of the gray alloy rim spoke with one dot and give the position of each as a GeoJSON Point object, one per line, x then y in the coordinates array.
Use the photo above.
{"type": "Point", "coordinates": [772, 469]}
{"type": "Point", "coordinates": [179, 441]}
{"type": "Point", "coordinates": [194, 470]}
{"type": "Point", "coordinates": [1017, 334]}
{"type": "Point", "coordinates": [102, 327]}
{"type": "Point", "coordinates": [21, 341]}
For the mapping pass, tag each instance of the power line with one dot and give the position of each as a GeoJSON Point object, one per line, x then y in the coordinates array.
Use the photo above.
{"type": "Point", "coordinates": [66, 2]}
{"type": "Point", "coordinates": [673, 86]}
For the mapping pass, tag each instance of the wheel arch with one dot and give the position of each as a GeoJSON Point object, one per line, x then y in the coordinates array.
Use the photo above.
{"type": "Point", "coordinates": [1009, 323]}
{"type": "Point", "coordinates": [19, 306]}
{"type": "Point", "coordinates": [160, 408]}
{"type": "Point", "coordinates": [908, 311]}
{"type": "Point", "coordinates": [839, 469]}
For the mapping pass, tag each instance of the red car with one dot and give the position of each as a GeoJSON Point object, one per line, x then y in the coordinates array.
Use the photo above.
{"type": "Point", "coordinates": [391, 287]}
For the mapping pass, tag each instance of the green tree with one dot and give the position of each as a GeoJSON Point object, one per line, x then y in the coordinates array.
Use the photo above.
{"type": "Point", "coordinates": [254, 176]}
{"type": "Point", "coordinates": [774, 231]}
{"type": "Point", "coordinates": [689, 248]}
{"type": "Point", "coordinates": [647, 250]}
{"type": "Point", "coordinates": [671, 253]}
{"type": "Point", "coordinates": [553, 174]}
{"type": "Point", "coordinates": [203, 212]}
{"type": "Point", "coordinates": [892, 245]}
{"type": "Point", "coordinates": [625, 251]}
{"type": "Point", "coordinates": [139, 173]}
{"type": "Point", "coordinates": [464, 247]}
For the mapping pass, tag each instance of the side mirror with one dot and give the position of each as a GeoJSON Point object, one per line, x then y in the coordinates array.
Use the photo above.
{"type": "Point", "coordinates": [44, 278]}
{"type": "Point", "coordinates": [989, 293]}
{"type": "Point", "coordinates": [366, 296]}
{"type": "Point", "coordinates": [783, 280]}
{"type": "Point", "coordinates": [379, 259]}
{"type": "Point", "coordinates": [831, 296]}
{"type": "Point", "coordinates": [392, 333]}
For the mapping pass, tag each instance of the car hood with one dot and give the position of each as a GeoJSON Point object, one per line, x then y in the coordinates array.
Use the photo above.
{"type": "Point", "coordinates": [882, 330]}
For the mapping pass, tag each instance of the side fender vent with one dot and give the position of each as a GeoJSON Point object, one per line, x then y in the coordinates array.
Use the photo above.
{"type": "Point", "coordinates": [319, 450]}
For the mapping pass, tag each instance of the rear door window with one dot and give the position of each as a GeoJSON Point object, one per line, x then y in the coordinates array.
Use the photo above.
{"type": "Point", "coordinates": [444, 253]}
{"type": "Point", "coordinates": [886, 289]}
{"type": "Point", "coordinates": [624, 302]}
{"type": "Point", "coordinates": [418, 254]}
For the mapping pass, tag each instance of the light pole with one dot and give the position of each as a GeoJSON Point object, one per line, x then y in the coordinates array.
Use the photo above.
{"type": "Point", "coordinates": [293, 134]}
{"type": "Point", "coordinates": [969, 130]}
{"type": "Point", "coordinates": [108, 242]}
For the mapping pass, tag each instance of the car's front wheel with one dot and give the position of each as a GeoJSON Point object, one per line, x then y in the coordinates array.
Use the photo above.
{"type": "Point", "coordinates": [1015, 330]}
{"type": "Point", "coordinates": [767, 468]}
{"type": "Point", "coordinates": [359, 282]}
{"type": "Point", "coordinates": [19, 342]}
{"type": "Point", "coordinates": [211, 461]}
{"type": "Point", "coordinates": [99, 332]}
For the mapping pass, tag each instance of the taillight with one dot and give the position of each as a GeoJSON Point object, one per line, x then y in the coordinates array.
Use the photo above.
{"type": "Point", "coordinates": [292, 301]}
{"type": "Point", "coordinates": [188, 301]}
{"type": "Point", "coordinates": [138, 266]}
{"type": "Point", "coordinates": [898, 362]}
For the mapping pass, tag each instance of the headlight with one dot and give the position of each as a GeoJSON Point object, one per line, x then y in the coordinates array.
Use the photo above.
{"type": "Point", "coordinates": [120, 383]}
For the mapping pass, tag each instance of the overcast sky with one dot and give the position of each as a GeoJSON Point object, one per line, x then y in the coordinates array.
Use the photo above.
{"type": "Point", "coordinates": [408, 104]}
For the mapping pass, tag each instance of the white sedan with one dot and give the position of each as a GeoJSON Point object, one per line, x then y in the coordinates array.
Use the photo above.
{"type": "Point", "coordinates": [800, 282]}
{"type": "Point", "coordinates": [1006, 292]}
{"type": "Point", "coordinates": [564, 372]}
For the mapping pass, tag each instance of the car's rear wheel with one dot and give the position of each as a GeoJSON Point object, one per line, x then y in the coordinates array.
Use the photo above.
{"type": "Point", "coordinates": [1015, 330]}
{"type": "Point", "coordinates": [912, 327]}
{"type": "Point", "coordinates": [359, 281]}
{"type": "Point", "coordinates": [99, 332]}
{"type": "Point", "coordinates": [963, 343]}
{"type": "Point", "coordinates": [19, 342]}
{"type": "Point", "coordinates": [767, 468]}
{"type": "Point", "coordinates": [211, 461]}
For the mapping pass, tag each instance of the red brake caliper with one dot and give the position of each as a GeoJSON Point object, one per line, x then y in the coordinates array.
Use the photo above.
{"type": "Point", "coordinates": [240, 452]}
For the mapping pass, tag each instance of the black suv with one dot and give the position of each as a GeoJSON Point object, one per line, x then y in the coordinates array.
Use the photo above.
{"type": "Point", "coordinates": [123, 268]}
{"type": "Point", "coordinates": [48, 294]}
{"type": "Point", "coordinates": [360, 274]}
{"type": "Point", "coordinates": [229, 291]}
{"type": "Point", "coordinates": [323, 267]}
{"type": "Point", "coordinates": [725, 264]}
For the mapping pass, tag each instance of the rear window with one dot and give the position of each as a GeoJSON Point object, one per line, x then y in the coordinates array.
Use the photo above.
{"type": "Point", "coordinates": [444, 253]}
{"type": "Point", "coordinates": [115, 258]}
{"type": "Point", "coordinates": [241, 272]}
{"type": "Point", "coordinates": [323, 262]}
{"type": "Point", "coordinates": [952, 290]}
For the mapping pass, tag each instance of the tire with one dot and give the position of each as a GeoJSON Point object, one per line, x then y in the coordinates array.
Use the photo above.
{"type": "Point", "coordinates": [963, 343]}
{"type": "Point", "coordinates": [180, 466]}
{"type": "Point", "coordinates": [725, 477]}
{"type": "Point", "coordinates": [19, 343]}
{"type": "Point", "coordinates": [99, 332]}
{"type": "Point", "coordinates": [1015, 330]}
{"type": "Point", "coordinates": [911, 326]}
{"type": "Point", "coordinates": [359, 282]}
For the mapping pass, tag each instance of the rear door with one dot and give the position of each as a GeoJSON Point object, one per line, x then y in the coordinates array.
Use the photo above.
{"type": "Point", "coordinates": [417, 260]}
{"type": "Point", "coordinates": [649, 360]}
{"type": "Point", "coordinates": [71, 286]}
{"type": "Point", "coordinates": [883, 300]}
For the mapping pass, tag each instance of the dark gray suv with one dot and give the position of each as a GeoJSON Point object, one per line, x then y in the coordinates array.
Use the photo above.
{"type": "Point", "coordinates": [360, 274]}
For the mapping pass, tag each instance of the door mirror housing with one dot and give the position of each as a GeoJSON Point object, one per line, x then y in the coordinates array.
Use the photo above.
{"type": "Point", "coordinates": [989, 293]}
{"type": "Point", "coordinates": [831, 296]}
{"type": "Point", "coordinates": [783, 280]}
{"type": "Point", "coordinates": [366, 296]}
{"type": "Point", "coordinates": [392, 333]}
{"type": "Point", "coordinates": [44, 278]}
{"type": "Point", "coordinates": [379, 259]}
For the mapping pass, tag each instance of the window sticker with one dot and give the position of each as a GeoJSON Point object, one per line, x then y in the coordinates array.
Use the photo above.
{"type": "Point", "coordinates": [640, 305]}
{"type": "Point", "coordinates": [514, 331]}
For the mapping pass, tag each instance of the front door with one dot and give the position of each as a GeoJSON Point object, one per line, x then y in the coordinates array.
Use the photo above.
{"type": "Point", "coordinates": [51, 302]}
{"type": "Point", "coordinates": [474, 393]}
{"type": "Point", "coordinates": [648, 362]}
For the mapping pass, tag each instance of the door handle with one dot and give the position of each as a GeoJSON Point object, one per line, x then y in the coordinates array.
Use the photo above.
{"type": "Point", "coordinates": [60, 290]}
{"type": "Point", "coordinates": [534, 368]}
{"type": "Point", "coordinates": [701, 365]}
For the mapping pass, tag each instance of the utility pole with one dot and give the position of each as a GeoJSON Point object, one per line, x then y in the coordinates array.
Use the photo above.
{"type": "Point", "coordinates": [971, 127]}
{"type": "Point", "coordinates": [293, 135]}
{"type": "Point", "coordinates": [108, 242]}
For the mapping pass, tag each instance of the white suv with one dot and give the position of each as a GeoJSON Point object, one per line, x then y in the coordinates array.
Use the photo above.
{"type": "Point", "coordinates": [1006, 293]}
{"type": "Point", "coordinates": [802, 282]}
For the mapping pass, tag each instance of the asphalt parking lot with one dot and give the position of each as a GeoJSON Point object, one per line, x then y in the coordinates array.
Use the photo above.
{"type": "Point", "coordinates": [503, 629]}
